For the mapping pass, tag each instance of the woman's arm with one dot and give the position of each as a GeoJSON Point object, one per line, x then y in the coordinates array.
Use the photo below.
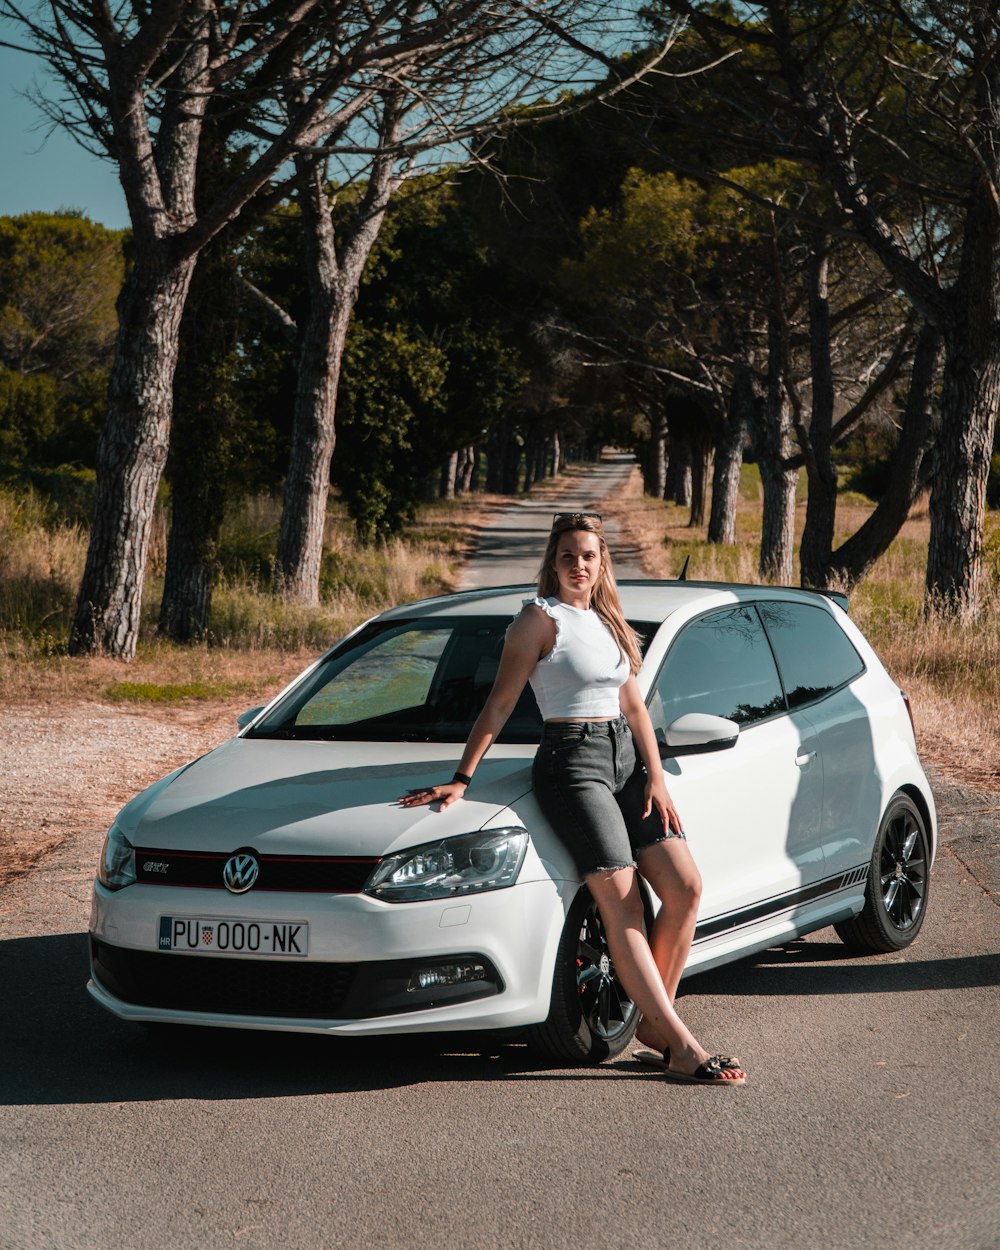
{"type": "Point", "coordinates": [637, 715]}
{"type": "Point", "coordinates": [532, 635]}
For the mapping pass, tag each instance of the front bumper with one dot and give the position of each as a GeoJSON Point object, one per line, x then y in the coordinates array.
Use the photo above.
{"type": "Point", "coordinates": [356, 978]}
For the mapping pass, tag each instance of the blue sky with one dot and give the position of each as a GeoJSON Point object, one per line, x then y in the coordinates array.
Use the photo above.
{"type": "Point", "coordinates": [46, 175]}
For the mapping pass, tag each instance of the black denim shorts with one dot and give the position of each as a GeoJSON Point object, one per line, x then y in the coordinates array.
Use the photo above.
{"type": "Point", "coordinates": [592, 788]}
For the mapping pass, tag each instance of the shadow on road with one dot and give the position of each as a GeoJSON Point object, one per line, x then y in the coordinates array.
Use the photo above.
{"type": "Point", "coordinates": [59, 1047]}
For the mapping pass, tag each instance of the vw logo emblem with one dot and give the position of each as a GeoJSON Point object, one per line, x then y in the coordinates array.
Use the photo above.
{"type": "Point", "coordinates": [240, 872]}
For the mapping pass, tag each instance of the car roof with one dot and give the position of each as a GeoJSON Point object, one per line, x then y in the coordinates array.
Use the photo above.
{"type": "Point", "coordinates": [646, 600]}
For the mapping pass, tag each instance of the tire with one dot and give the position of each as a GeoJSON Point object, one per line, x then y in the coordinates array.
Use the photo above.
{"type": "Point", "coordinates": [898, 883]}
{"type": "Point", "coordinates": [590, 1016]}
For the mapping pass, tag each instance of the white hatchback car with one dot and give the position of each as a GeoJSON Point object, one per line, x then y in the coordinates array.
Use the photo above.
{"type": "Point", "coordinates": [276, 883]}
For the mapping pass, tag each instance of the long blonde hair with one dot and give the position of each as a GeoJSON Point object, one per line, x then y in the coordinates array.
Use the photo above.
{"type": "Point", "coordinates": [605, 600]}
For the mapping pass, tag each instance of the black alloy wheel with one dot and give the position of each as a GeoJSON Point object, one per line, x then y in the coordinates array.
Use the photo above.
{"type": "Point", "coordinates": [898, 883]}
{"type": "Point", "coordinates": [607, 1008]}
{"type": "Point", "coordinates": [591, 1016]}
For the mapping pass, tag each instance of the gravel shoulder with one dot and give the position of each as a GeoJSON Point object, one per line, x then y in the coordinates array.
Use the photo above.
{"type": "Point", "coordinates": [68, 767]}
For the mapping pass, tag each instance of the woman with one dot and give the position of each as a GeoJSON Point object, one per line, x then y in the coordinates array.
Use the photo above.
{"type": "Point", "coordinates": [612, 811]}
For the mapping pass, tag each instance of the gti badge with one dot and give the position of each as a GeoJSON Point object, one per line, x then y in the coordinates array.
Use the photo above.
{"type": "Point", "coordinates": [240, 872]}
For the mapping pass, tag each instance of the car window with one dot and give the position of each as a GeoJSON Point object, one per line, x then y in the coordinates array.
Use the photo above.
{"type": "Point", "coordinates": [420, 680]}
{"type": "Point", "coordinates": [720, 664]}
{"type": "Point", "coordinates": [395, 674]}
{"type": "Point", "coordinates": [814, 654]}
{"type": "Point", "coordinates": [405, 681]}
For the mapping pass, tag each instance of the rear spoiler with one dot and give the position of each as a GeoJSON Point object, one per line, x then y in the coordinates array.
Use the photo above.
{"type": "Point", "coordinates": [838, 597]}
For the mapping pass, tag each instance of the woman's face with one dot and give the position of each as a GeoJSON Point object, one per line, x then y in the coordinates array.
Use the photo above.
{"type": "Point", "coordinates": [578, 565]}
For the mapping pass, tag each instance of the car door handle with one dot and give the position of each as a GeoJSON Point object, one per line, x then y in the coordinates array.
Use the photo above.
{"type": "Point", "coordinates": [805, 757]}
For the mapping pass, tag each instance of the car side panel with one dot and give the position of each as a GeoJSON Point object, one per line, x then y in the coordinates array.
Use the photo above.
{"type": "Point", "coordinates": [866, 745]}
{"type": "Point", "coordinates": [751, 813]}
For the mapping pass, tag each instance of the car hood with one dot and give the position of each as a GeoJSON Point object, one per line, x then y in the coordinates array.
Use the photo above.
{"type": "Point", "coordinates": [319, 798]}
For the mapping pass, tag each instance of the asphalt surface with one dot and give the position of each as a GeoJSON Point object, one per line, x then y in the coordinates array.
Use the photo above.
{"type": "Point", "coordinates": [510, 549]}
{"type": "Point", "coordinates": [870, 1118]}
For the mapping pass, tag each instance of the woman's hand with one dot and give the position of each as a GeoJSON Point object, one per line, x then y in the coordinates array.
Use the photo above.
{"type": "Point", "coordinates": [657, 796]}
{"type": "Point", "coordinates": [446, 795]}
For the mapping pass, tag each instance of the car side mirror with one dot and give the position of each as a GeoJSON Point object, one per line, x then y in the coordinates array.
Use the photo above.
{"type": "Point", "coordinates": [696, 733]}
{"type": "Point", "coordinates": [246, 717]}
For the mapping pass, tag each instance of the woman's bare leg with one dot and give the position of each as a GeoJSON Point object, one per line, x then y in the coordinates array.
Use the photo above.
{"type": "Point", "coordinates": [620, 903]}
{"type": "Point", "coordinates": [673, 875]}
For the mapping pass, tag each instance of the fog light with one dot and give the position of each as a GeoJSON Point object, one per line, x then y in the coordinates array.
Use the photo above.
{"type": "Point", "coordinates": [446, 974]}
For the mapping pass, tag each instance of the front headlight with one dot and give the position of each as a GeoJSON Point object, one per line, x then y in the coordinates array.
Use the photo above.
{"type": "Point", "coordinates": [470, 864]}
{"type": "Point", "coordinates": [116, 868]}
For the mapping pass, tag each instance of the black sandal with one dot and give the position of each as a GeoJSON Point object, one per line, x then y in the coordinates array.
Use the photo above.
{"type": "Point", "coordinates": [655, 1060]}
{"type": "Point", "coordinates": [711, 1072]}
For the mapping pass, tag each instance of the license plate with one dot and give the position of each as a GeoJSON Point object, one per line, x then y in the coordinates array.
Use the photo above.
{"type": "Point", "coordinates": [206, 936]}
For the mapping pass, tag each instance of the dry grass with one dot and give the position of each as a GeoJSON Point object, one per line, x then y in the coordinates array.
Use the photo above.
{"type": "Point", "coordinates": [950, 671]}
{"type": "Point", "coordinates": [258, 642]}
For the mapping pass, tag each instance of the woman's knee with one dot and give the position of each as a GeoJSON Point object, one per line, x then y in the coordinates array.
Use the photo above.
{"type": "Point", "coordinates": [690, 885]}
{"type": "Point", "coordinates": [617, 895]}
{"type": "Point", "coordinates": [674, 877]}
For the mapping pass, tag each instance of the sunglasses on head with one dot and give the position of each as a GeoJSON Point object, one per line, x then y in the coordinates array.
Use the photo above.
{"type": "Point", "coordinates": [571, 518]}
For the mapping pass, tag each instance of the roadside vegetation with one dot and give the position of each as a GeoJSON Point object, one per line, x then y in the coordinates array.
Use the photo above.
{"type": "Point", "coordinates": [257, 641]}
{"type": "Point", "coordinates": [950, 670]}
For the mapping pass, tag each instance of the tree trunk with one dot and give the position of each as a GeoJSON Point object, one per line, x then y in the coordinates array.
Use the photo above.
{"type": "Point", "coordinates": [557, 463]}
{"type": "Point", "coordinates": [821, 505]}
{"type": "Point", "coordinates": [530, 461]}
{"type": "Point", "coordinates": [131, 454]}
{"type": "Point", "coordinates": [496, 456]}
{"type": "Point", "coordinates": [701, 462]}
{"type": "Point", "coordinates": [656, 467]}
{"type": "Point", "coordinates": [970, 393]}
{"type": "Point", "coordinates": [333, 291]}
{"type": "Point", "coordinates": [541, 456]}
{"type": "Point", "coordinates": [729, 461]}
{"type": "Point", "coordinates": [467, 461]}
{"type": "Point", "coordinates": [307, 486]}
{"type": "Point", "coordinates": [678, 483]}
{"type": "Point", "coordinates": [449, 476]}
{"type": "Point", "coordinates": [908, 474]}
{"type": "Point", "coordinates": [187, 586]}
{"type": "Point", "coordinates": [204, 419]}
{"type": "Point", "coordinates": [511, 465]}
{"type": "Point", "coordinates": [774, 447]}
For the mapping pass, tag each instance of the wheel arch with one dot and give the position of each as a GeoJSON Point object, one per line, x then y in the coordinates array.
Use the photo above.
{"type": "Point", "coordinates": [927, 816]}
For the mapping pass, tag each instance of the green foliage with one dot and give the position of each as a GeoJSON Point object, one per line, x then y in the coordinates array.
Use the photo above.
{"type": "Point", "coordinates": [392, 377]}
{"type": "Point", "coordinates": [434, 357]}
{"type": "Point", "coordinates": [59, 278]}
{"type": "Point", "coordinates": [151, 692]}
{"type": "Point", "coordinates": [60, 275]}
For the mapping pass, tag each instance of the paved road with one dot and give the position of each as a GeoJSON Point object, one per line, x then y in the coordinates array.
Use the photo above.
{"type": "Point", "coordinates": [510, 550]}
{"type": "Point", "coordinates": [870, 1118]}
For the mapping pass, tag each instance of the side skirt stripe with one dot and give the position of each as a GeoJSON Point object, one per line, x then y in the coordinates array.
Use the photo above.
{"type": "Point", "coordinates": [781, 902]}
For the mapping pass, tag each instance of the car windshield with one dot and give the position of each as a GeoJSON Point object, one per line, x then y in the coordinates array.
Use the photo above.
{"type": "Point", "coordinates": [422, 680]}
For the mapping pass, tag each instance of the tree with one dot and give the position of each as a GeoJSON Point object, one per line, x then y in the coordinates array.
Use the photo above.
{"type": "Point", "coordinates": [487, 70]}
{"type": "Point", "coordinates": [428, 365]}
{"type": "Point", "coordinates": [136, 82]}
{"type": "Point", "coordinates": [831, 83]}
{"type": "Point", "coordinates": [700, 290]}
{"type": "Point", "coordinates": [59, 277]}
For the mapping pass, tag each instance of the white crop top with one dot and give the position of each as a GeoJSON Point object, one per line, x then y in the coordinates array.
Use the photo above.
{"type": "Point", "coordinates": [583, 673]}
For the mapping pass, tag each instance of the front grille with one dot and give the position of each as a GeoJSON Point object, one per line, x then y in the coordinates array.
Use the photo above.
{"type": "Point", "coordinates": [280, 988]}
{"type": "Point", "coordinates": [250, 987]}
{"type": "Point", "coordinates": [292, 873]}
